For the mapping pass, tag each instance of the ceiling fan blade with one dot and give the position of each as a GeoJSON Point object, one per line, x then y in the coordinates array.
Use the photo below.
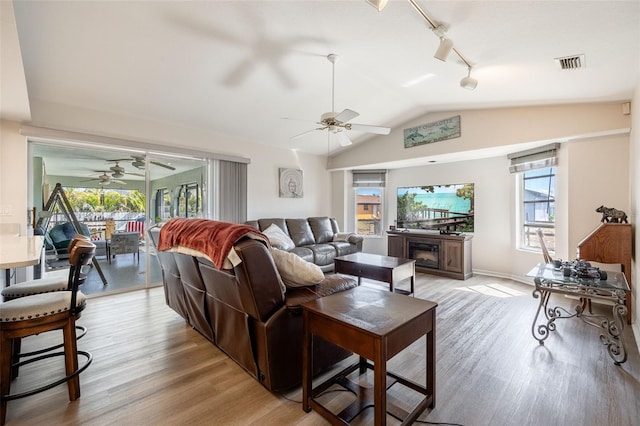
{"type": "Point", "coordinates": [304, 133]}
{"type": "Point", "coordinates": [121, 182]}
{"type": "Point", "coordinates": [346, 115]}
{"type": "Point", "coordinates": [371, 129]}
{"type": "Point", "coordinates": [342, 138]}
{"type": "Point", "coordinates": [166, 166]}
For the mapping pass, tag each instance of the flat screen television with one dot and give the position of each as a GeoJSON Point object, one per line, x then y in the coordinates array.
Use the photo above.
{"type": "Point", "coordinates": [447, 208]}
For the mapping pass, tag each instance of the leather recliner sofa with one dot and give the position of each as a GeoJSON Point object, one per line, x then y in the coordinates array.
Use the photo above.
{"type": "Point", "coordinates": [245, 312]}
{"type": "Point", "coordinates": [317, 239]}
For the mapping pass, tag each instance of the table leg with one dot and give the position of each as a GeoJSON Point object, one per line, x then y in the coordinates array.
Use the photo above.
{"type": "Point", "coordinates": [541, 332]}
{"type": "Point", "coordinates": [307, 360]}
{"type": "Point", "coordinates": [430, 354]}
{"type": "Point", "coordinates": [614, 338]}
{"type": "Point", "coordinates": [380, 384]}
{"type": "Point", "coordinates": [413, 283]}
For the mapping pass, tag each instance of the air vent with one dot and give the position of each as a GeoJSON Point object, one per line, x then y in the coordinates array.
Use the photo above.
{"type": "Point", "coordinates": [571, 62]}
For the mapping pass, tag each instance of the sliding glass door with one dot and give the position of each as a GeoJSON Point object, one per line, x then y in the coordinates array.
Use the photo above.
{"type": "Point", "coordinates": [114, 197]}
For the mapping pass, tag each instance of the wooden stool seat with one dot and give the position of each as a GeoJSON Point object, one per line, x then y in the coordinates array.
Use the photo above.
{"type": "Point", "coordinates": [39, 313]}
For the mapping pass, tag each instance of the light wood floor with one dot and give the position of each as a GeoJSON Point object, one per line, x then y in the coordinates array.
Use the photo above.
{"type": "Point", "coordinates": [150, 368]}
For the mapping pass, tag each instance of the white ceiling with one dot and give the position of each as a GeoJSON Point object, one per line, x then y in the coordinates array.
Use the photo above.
{"type": "Point", "coordinates": [238, 67]}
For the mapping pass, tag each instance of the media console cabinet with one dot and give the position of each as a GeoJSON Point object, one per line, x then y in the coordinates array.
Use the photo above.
{"type": "Point", "coordinates": [447, 255]}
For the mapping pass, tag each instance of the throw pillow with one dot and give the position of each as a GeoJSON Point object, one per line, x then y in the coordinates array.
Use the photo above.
{"type": "Point", "coordinates": [278, 238]}
{"type": "Point", "coordinates": [295, 271]}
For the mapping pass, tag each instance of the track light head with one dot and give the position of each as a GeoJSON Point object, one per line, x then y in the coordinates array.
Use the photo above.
{"type": "Point", "coordinates": [443, 49]}
{"type": "Point", "coordinates": [378, 4]}
{"type": "Point", "coordinates": [468, 82]}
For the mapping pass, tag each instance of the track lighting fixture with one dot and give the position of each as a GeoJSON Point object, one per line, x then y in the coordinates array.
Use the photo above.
{"type": "Point", "coordinates": [468, 82]}
{"type": "Point", "coordinates": [443, 49]}
{"type": "Point", "coordinates": [378, 4]}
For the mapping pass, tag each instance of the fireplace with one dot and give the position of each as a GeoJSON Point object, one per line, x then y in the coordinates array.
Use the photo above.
{"type": "Point", "coordinates": [426, 254]}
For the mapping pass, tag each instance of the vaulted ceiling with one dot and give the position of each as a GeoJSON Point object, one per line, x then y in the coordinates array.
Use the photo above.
{"type": "Point", "coordinates": [239, 67]}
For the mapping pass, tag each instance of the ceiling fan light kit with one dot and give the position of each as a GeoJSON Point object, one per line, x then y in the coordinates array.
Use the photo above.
{"type": "Point", "coordinates": [338, 123]}
{"type": "Point", "coordinates": [378, 4]}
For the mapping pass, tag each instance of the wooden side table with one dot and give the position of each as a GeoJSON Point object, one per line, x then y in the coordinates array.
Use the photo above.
{"type": "Point", "coordinates": [376, 325]}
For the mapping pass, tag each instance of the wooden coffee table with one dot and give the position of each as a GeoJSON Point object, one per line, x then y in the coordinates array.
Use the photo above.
{"type": "Point", "coordinates": [388, 269]}
{"type": "Point", "coordinates": [376, 325]}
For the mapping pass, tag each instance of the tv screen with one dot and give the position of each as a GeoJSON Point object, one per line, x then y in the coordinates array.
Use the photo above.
{"type": "Point", "coordinates": [436, 207]}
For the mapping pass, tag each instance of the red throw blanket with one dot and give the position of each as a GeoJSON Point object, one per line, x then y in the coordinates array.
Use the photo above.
{"type": "Point", "coordinates": [211, 237]}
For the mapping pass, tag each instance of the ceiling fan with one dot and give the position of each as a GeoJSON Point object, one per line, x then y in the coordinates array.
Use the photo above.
{"type": "Point", "coordinates": [105, 179]}
{"type": "Point", "coordinates": [338, 123]}
{"type": "Point", "coordinates": [119, 171]}
{"type": "Point", "coordinates": [139, 163]}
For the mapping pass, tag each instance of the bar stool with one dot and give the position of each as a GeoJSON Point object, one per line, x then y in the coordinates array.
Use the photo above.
{"type": "Point", "coordinates": [44, 285]}
{"type": "Point", "coordinates": [40, 313]}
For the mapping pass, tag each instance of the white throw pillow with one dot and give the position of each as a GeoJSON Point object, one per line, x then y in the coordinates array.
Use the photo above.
{"type": "Point", "coordinates": [278, 238]}
{"type": "Point", "coordinates": [295, 271]}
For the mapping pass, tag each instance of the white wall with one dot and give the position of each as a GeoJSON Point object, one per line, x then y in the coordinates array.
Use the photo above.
{"type": "Point", "coordinates": [485, 130]}
{"type": "Point", "coordinates": [263, 196]}
{"type": "Point", "coordinates": [634, 216]}
{"type": "Point", "coordinates": [592, 170]}
{"type": "Point", "coordinates": [13, 173]}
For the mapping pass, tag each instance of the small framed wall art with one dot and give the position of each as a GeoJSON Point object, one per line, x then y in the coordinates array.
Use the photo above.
{"type": "Point", "coordinates": [290, 183]}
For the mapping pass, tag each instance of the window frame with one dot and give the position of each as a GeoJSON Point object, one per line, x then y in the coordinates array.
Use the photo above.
{"type": "Point", "coordinates": [528, 239]}
{"type": "Point", "coordinates": [368, 207]}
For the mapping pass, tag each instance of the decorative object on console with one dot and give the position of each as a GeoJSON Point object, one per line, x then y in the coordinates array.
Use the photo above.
{"type": "Point", "coordinates": [449, 128]}
{"type": "Point", "coordinates": [611, 215]}
{"type": "Point", "coordinates": [290, 183]}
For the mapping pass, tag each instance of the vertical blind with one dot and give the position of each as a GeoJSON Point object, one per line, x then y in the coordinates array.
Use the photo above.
{"type": "Point", "coordinates": [232, 191]}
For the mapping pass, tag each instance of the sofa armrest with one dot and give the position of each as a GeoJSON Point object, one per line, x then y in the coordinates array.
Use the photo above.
{"type": "Point", "coordinates": [332, 283]}
{"type": "Point", "coordinates": [357, 240]}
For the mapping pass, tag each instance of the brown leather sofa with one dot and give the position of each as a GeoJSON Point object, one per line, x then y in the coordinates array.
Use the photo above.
{"type": "Point", "coordinates": [245, 313]}
{"type": "Point", "coordinates": [314, 238]}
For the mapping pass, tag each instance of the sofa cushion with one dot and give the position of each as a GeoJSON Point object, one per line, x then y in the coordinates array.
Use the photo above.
{"type": "Point", "coordinates": [343, 248]}
{"type": "Point", "coordinates": [300, 232]}
{"type": "Point", "coordinates": [295, 271]}
{"type": "Point", "coordinates": [323, 254]}
{"type": "Point", "coordinates": [304, 252]}
{"type": "Point", "coordinates": [265, 223]}
{"type": "Point", "coordinates": [278, 238]}
{"type": "Point", "coordinates": [321, 228]}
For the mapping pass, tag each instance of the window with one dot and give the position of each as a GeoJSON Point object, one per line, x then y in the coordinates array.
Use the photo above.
{"type": "Point", "coordinates": [369, 211]}
{"type": "Point", "coordinates": [369, 200]}
{"type": "Point", "coordinates": [189, 200]}
{"type": "Point", "coordinates": [163, 205]}
{"type": "Point", "coordinates": [538, 207]}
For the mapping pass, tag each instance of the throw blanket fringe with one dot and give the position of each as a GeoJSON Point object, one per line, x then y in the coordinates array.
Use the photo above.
{"type": "Point", "coordinates": [211, 237]}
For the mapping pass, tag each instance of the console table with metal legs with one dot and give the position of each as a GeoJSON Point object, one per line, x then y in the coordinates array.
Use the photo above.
{"type": "Point", "coordinates": [549, 280]}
